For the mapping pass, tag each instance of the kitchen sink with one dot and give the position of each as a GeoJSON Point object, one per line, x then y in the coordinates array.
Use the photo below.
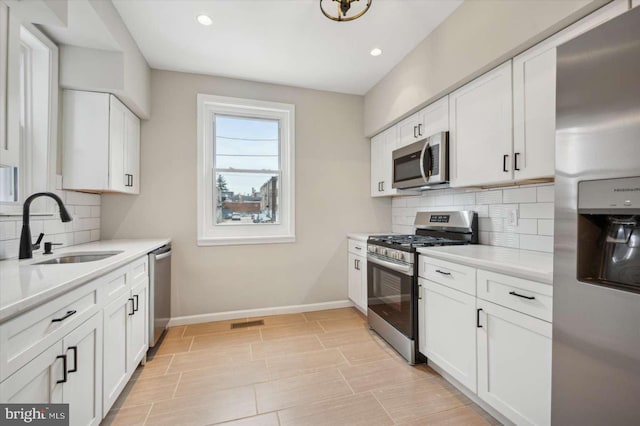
{"type": "Point", "coordinates": [79, 257]}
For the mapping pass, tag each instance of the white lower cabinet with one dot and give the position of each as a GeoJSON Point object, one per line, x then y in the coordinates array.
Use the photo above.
{"type": "Point", "coordinates": [69, 372]}
{"type": "Point", "coordinates": [448, 334]}
{"type": "Point", "coordinates": [86, 346]}
{"type": "Point", "coordinates": [514, 364]}
{"type": "Point", "coordinates": [358, 274]}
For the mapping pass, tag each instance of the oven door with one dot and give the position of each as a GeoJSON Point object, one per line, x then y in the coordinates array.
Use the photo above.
{"type": "Point", "coordinates": [391, 292]}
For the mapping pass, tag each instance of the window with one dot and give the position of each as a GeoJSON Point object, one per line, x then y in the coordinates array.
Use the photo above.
{"type": "Point", "coordinates": [30, 148]}
{"type": "Point", "coordinates": [245, 171]}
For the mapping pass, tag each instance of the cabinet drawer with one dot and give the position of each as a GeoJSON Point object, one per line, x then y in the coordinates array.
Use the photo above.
{"type": "Point", "coordinates": [458, 277]}
{"type": "Point", "coordinates": [358, 247]}
{"type": "Point", "coordinates": [138, 270]}
{"type": "Point", "coordinates": [27, 335]}
{"type": "Point", "coordinates": [529, 297]}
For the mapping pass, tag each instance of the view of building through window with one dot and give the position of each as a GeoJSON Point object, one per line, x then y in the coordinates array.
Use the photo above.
{"type": "Point", "coordinates": [247, 170]}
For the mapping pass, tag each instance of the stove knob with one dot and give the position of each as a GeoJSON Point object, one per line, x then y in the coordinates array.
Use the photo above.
{"type": "Point", "coordinates": [382, 251]}
{"type": "Point", "coordinates": [401, 256]}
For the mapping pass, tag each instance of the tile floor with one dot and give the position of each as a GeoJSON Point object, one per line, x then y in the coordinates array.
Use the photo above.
{"type": "Point", "coordinates": [316, 368]}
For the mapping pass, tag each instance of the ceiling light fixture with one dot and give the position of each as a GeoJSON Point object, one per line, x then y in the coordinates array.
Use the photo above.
{"type": "Point", "coordinates": [343, 8]}
{"type": "Point", "coordinates": [376, 51]}
{"type": "Point", "coordinates": [204, 20]}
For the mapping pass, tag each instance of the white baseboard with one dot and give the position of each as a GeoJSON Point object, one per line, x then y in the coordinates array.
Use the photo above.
{"type": "Point", "coordinates": [248, 313]}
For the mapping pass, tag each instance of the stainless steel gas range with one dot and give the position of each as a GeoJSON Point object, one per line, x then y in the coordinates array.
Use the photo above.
{"type": "Point", "coordinates": [392, 274]}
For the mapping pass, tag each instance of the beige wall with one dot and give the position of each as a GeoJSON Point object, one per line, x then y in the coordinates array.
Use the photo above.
{"type": "Point", "coordinates": [332, 198]}
{"type": "Point", "coordinates": [479, 35]}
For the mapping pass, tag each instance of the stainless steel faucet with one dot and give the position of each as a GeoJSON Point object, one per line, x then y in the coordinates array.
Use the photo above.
{"type": "Point", "coordinates": [26, 247]}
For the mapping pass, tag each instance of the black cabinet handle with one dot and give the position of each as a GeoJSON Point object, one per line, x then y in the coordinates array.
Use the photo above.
{"type": "Point", "coordinates": [67, 315]}
{"type": "Point", "coordinates": [513, 293]}
{"type": "Point", "coordinates": [133, 311]}
{"type": "Point", "coordinates": [64, 368]}
{"type": "Point", "coordinates": [136, 303]}
{"type": "Point", "coordinates": [442, 272]}
{"type": "Point", "coordinates": [478, 318]}
{"type": "Point", "coordinates": [415, 129]}
{"type": "Point", "coordinates": [419, 291]}
{"type": "Point", "coordinates": [75, 358]}
{"type": "Point", "coordinates": [504, 163]}
{"type": "Point", "coordinates": [515, 162]}
{"type": "Point", "coordinates": [382, 183]}
{"type": "Point", "coordinates": [420, 129]}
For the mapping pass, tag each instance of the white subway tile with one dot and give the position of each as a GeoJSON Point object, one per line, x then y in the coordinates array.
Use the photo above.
{"type": "Point", "coordinates": [398, 202]}
{"type": "Point", "coordinates": [9, 249]}
{"type": "Point", "coordinates": [519, 195]}
{"type": "Point", "coordinates": [81, 237]}
{"type": "Point", "coordinates": [483, 237]}
{"type": "Point", "coordinates": [489, 197]}
{"type": "Point", "coordinates": [444, 200]}
{"type": "Point", "coordinates": [491, 224]}
{"type": "Point", "coordinates": [536, 211]}
{"type": "Point", "coordinates": [537, 243]}
{"type": "Point", "coordinates": [82, 199]}
{"type": "Point", "coordinates": [503, 239]}
{"type": "Point", "coordinates": [546, 194]}
{"type": "Point", "coordinates": [525, 226]}
{"type": "Point", "coordinates": [464, 198]}
{"type": "Point", "coordinates": [82, 211]}
{"type": "Point", "coordinates": [95, 235]}
{"type": "Point", "coordinates": [545, 226]}
{"type": "Point", "coordinates": [500, 210]}
{"type": "Point", "coordinates": [8, 231]}
{"type": "Point", "coordinates": [54, 226]}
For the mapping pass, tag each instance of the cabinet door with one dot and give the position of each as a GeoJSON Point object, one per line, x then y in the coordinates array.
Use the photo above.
{"type": "Point", "coordinates": [139, 341]}
{"type": "Point", "coordinates": [390, 144]}
{"type": "Point", "coordinates": [377, 153]}
{"type": "Point", "coordinates": [435, 117]}
{"type": "Point", "coordinates": [449, 333]}
{"type": "Point", "coordinates": [36, 382]}
{"type": "Point", "coordinates": [514, 364]}
{"type": "Point", "coordinates": [481, 140]}
{"type": "Point", "coordinates": [534, 98]}
{"type": "Point", "coordinates": [355, 279]}
{"type": "Point", "coordinates": [83, 390]}
{"type": "Point", "coordinates": [410, 130]}
{"type": "Point", "coordinates": [116, 330]}
{"type": "Point", "coordinates": [132, 152]}
{"type": "Point", "coordinates": [117, 136]}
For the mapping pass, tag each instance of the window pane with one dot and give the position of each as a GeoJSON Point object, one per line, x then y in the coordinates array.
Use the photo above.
{"type": "Point", "coordinates": [246, 143]}
{"type": "Point", "coordinates": [247, 198]}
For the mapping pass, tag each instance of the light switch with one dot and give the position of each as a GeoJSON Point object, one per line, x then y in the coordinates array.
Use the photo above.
{"type": "Point", "coordinates": [512, 216]}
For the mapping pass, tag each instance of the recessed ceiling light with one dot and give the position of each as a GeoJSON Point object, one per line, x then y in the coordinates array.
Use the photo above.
{"type": "Point", "coordinates": [376, 52]}
{"type": "Point", "coordinates": [204, 20]}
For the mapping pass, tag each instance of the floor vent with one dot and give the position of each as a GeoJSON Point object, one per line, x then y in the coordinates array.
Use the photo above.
{"type": "Point", "coordinates": [247, 324]}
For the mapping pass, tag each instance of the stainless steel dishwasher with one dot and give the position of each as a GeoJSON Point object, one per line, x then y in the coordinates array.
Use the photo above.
{"type": "Point", "coordinates": [160, 292]}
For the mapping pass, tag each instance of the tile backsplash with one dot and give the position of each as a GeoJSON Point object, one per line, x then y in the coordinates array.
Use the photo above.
{"type": "Point", "coordinates": [85, 226]}
{"type": "Point", "coordinates": [534, 204]}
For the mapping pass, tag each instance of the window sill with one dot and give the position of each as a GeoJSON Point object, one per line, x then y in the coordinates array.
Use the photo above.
{"type": "Point", "coordinates": [235, 241]}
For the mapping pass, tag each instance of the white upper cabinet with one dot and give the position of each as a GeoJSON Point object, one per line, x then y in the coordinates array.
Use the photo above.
{"type": "Point", "coordinates": [410, 130]}
{"type": "Point", "coordinates": [382, 147]}
{"type": "Point", "coordinates": [534, 96]}
{"type": "Point", "coordinates": [481, 140]}
{"type": "Point", "coordinates": [101, 144]}
{"type": "Point", "coordinates": [435, 117]}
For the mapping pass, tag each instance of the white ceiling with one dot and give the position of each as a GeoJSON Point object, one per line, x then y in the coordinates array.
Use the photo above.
{"type": "Point", "coordinates": [281, 41]}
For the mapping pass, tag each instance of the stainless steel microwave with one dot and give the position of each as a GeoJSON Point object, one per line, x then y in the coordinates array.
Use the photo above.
{"type": "Point", "coordinates": [423, 163]}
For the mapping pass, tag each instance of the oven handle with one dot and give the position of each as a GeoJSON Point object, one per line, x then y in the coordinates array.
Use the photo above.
{"type": "Point", "coordinates": [406, 270]}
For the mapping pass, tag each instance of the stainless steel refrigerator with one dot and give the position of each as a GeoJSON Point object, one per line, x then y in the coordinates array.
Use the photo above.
{"type": "Point", "coordinates": [596, 306]}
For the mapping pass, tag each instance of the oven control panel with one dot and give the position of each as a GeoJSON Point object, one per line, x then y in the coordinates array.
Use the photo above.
{"type": "Point", "coordinates": [390, 253]}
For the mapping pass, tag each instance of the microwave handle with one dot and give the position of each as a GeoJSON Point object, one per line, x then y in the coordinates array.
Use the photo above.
{"type": "Point", "coordinates": [424, 158]}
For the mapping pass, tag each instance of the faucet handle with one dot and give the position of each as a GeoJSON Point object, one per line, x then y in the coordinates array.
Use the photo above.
{"type": "Point", "coordinates": [36, 245]}
{"type": "Point", "coordinates": [48, 245]}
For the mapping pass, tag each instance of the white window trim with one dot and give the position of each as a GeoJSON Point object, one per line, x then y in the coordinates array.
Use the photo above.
{"type": "Point", "coordinates": [47, 207]}
{"type": "Point", "coordinates": [210, 234]}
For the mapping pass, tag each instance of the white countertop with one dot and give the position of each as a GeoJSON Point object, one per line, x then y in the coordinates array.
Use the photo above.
{"type": "Point", "coordinates": [531, 265]}
{"type": "Point", "coordinates": [361, 236]}
{"type": "Point", "coordinates": [24, 286]}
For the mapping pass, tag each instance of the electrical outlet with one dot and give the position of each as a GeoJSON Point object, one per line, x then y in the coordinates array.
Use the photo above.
{"type": "Point", "coordinates": [512, 216]}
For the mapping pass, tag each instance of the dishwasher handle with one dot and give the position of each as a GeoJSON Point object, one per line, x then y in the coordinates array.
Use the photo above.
{"type": "Point", "coordinates": [163, 255]}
